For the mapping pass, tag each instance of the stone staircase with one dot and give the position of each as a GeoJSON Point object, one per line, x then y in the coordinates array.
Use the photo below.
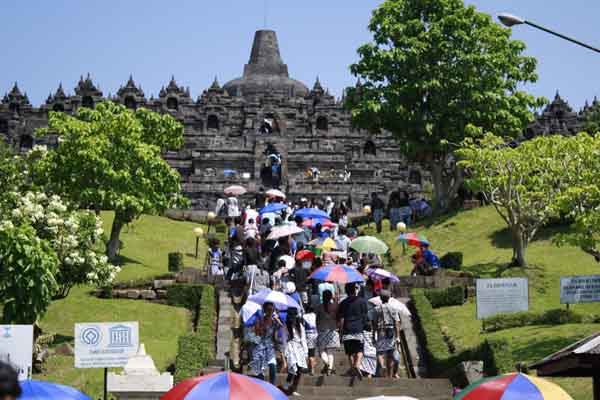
{"type": "Point", "coordinates": [335, 387]}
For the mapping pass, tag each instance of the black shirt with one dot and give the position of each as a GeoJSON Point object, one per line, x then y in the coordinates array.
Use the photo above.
{"type": "Point", "coordinates": [354, 311]}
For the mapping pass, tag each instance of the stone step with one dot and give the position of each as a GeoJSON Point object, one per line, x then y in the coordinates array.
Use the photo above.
{"type": "Point", "coordinates": [357, 391]}
{"type": "Point", "coordinates": [343, 381]}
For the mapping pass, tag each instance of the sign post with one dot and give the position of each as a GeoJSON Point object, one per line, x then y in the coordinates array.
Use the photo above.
{"type": "Point", "coordinates": [579, 289]}
{"type": "Point", "coordinates": [16, 348]}
{"type": "Point", "coordinates": [105, 345]}
{"type": "Point", "coordinates": [506, 295]}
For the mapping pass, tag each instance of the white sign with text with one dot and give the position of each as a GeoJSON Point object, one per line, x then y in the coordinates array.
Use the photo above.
{"type": "Point", "coordinates": [105, 345]}
{"type": "Point", "coordinates": [579, 289]}
{"type": "Point", "coordinates": [16, 347]}
{"type": "Point", "coordinates": [505, 295]}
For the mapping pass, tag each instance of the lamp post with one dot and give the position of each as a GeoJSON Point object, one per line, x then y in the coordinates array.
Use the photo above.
{"type": "Point", "coordinates": [510, 20]}
{"type": "Point", "coordinates": [198, 232]}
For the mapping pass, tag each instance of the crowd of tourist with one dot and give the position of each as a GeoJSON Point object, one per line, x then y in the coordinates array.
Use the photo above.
{"type": "Point", "coordinates": [359, 315]}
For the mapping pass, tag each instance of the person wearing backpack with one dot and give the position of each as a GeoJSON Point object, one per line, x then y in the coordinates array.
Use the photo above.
{"type": "Point", "coordinates": [386, 326]}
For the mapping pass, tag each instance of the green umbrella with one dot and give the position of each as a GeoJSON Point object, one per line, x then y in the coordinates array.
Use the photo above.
{"type": "Point", "coordinates": [369, 244]}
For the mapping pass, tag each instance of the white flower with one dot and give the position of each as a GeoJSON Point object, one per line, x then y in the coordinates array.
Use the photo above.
{"type": "Point", "coordinates": [16, 213]}
{"type": "Point", "coordinates": [6, 225]}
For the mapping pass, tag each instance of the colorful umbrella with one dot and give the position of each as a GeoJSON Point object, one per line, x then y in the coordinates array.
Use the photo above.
{"type": "Point", "coordinates": [273, 208]}
{"type": "Point", "coordinates": [311, 223]}
{"type": "Point", "coordinates": [305, 255]}
{"type": "Point", "coordinates": [337, 273]}
{"type": "Point", "coordinates": [281, 300]}
{"type": "Point", "coordinates": [235, 190]}
{"type": "Point", "coordinates": [311, 213]}
{"type": "Point", "coordinates": [283, 231]}
{"type": "Point", "coordinates": [39, 390]}
{"type": "Point", "coordinates": [275, 193]}
{"type": "Point", "coordinates": [513, 387]}
{"type": "Point", "coordinates": [224, 386]}
{"type": "Point", "coordinates": [326, 243]}
{"type": "Point", "coordinates": [412, 239]}
{"type": "Point", "coordinates": [380, 274]}
{"type": "Point", "coordinates": [369, 244]}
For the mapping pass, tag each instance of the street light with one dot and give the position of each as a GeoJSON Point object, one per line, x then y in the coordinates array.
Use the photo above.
{"type": "Point", "coordinates": [510, 20]}
{"type": "Point", "coordinates": [198, 232]}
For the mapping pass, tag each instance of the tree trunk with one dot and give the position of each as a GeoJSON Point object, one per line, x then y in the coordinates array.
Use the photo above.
{"type": "Point", "coordinates": [519, 248]}
{"type": "Point", "coordinates": [445, 189]}
{"type": "Point", "coordinates": [112, 248]}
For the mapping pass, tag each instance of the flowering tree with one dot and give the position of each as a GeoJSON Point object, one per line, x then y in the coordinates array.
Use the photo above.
{"type": "Point", "coordinates": [74, 236]}
{"type": "Point", "coordinates": [524, 184]}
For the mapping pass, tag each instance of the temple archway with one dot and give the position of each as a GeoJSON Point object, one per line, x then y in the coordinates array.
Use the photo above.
{"type": "Point", "coordinates": [370, 148]}
{"type": "Point", "coordinates": [322, 124]}
{"type": "Point", "coordinates": [26, 143]}
{"type": "Point", "coordinates": [212, 122]}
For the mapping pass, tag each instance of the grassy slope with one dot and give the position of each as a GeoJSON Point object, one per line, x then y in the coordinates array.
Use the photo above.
{"type": "Point", "coordinates": [481, 235]}
{"type": "Point", "coordinates": [147, 243]}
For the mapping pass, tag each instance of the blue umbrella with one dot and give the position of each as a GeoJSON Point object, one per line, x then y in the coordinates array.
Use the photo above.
{"type": "Point", "coordinates": [311, 213]}
{"type": "Point", "coordinates": [39, 390]}
{"type": "Point", "coordinates": [273, 208]}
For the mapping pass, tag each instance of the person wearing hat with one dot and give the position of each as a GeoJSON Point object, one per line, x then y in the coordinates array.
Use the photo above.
{"type": "Point", "coordinates": [289, 288]}
{"type": "Point", "coordinates": [386, 326]}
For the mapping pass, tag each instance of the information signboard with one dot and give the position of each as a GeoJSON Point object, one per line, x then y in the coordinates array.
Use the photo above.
{"type": "Point", "coordinates": [105, 345]}
{"type": "Point", "coordinates": [506, 295]}
{"type": "Point", "coordinates": [16, 347]}
{"type": "Point", "coordinates": [579, 289]}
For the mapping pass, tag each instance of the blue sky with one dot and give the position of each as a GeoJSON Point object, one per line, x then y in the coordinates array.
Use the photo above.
{"type": "Point", "coordinates": [47, 42]}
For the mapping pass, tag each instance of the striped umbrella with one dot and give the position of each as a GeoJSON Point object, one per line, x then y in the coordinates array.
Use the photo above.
{"type": "Point", "coordinates": [412, 239]}
{"type": "Point", "coordinates": [513, 387]}
{"type": "Point", "coordinates": [224, 386]}
{"type": "Point", "coordinates": [337, 273]}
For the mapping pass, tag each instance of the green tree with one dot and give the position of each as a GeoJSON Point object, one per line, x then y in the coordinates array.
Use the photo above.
{"type": "Point", "coordinates": [581, 200]}
{"type": "Point", "coordinates": [524, 183]}
{"type": "Point", "coordinates": [433, 68]}
{"type": "Point", "coordinates": [27, 274]}
{"type": "Point", "coordinates": [109, 158]}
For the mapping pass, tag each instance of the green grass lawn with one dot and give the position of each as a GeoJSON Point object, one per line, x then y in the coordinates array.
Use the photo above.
{"type": "Point", "coordinates": [482, 237]}
{"type": "Point", "coordinates": [147, 242]}
{"type": "Point", "coordinates": [146, 245]}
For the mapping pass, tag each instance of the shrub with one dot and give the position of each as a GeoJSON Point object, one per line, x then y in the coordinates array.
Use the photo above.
{"type": "Point", "coordinates": [452, 296]}
{"type": "Point", "coordinates": [175, 262]}
{"type": "Point", "coordinates": [551, 317]}
{"type": "Point", "coordinates": [196, 349]}
{"type": "Point", "coordinates": [188, 296]}
{"type": "Point", "coordinates": [453, 260]}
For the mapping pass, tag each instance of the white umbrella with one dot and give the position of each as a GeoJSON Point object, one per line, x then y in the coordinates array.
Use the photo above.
{"type": "Point", "coordinates": [283, 231]}
{"type": "Point", "coordinates": [281, 300]}
{"type": "Point", "coordinates": [276, 193]}
{"type": "Point", "coordinates": [394, 303]}
{"type": "Point", "coordinates": [388, 398]}
{"type": "Point", "coordinates": [248, 310]}
{"type": "Point", "coordinates": [289, 261]}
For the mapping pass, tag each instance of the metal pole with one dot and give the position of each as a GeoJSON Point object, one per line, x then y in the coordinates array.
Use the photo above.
{"type": "Point", "coordinates": [197, 240]}
{"type": "Point", "coordinates": [570, 39]}
{"type": "Point", "coordinates": [105, 383]}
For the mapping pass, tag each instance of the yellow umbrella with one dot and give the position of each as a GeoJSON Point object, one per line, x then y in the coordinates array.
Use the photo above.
{"type": "Point", "coordinates": [326, 244]}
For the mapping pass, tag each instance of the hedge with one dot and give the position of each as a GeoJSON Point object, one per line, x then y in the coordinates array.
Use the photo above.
{"type": "Point", "coordinates": [188, 296]}
{"type": "Point", "coordinates": [550, 317]}
{"type": "Point", "coordinates": [452, 296]}
{"type": "Point", "coordinates": [440, 361]}
{"type": "Point", "coordinates": [452, 260]}
{"type": "Point", "coordinates": [196, 349]}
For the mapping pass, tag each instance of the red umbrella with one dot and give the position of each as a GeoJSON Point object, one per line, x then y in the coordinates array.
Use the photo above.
{"type": "Point", "coordinates": [311, 223]}
{"type": "Point", "coordinates": [412, 239]}
{"type": "Point", "coordinates": [305, 255]}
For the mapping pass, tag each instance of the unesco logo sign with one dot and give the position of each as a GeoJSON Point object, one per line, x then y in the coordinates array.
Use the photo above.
{"type": "Point", "coordinates": [91, 336]}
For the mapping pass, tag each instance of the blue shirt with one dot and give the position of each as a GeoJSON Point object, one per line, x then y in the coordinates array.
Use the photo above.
{"type": "Point", "coordinates": [431, 258]}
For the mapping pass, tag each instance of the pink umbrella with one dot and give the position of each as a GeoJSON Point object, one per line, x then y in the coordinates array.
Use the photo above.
{"type": "Point", "coordinates": [235, 190]}
{"type": "Point", "coordinates": [275, 193]}
{"type": "Point", "coordinates": [283, 231]}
